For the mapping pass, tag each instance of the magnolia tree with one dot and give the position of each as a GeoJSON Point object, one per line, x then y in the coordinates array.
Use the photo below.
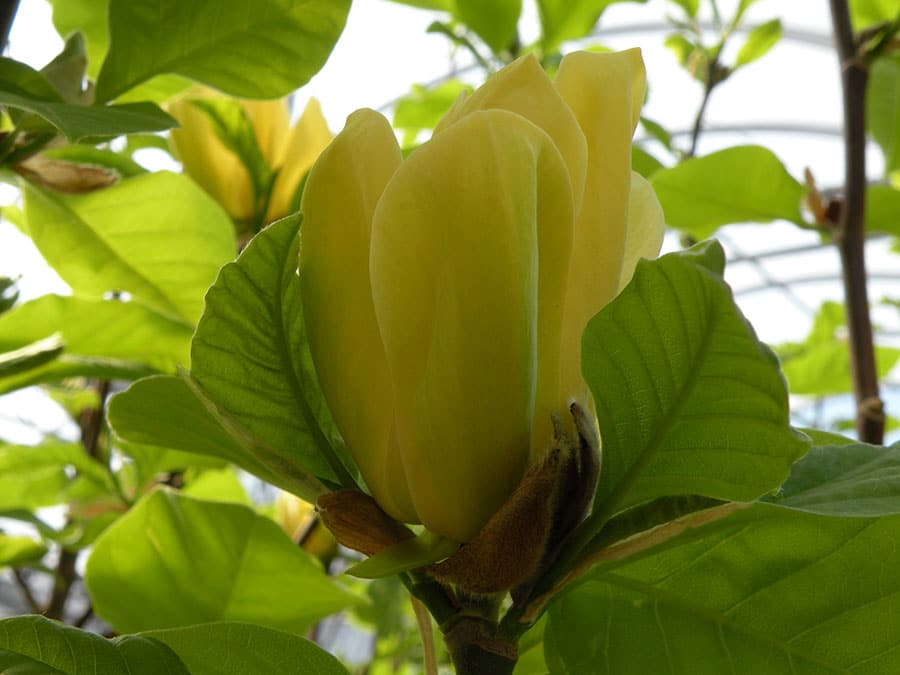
{"type": "Point", "coordinates": [507, 436]}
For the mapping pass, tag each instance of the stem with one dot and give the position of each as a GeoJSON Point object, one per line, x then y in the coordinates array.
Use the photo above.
{"type": "Point", "coordinates": [476, 649]}
{"type": "Point", "coordinates": [423, 619]}
{"type": "Point", "coordinates": [91, 423]}
{"type": "Point", "coordinates": [698, 120]}
{"type": "Point", "coordinates": [22, 583]}
{"type": "Point", "coordinates": [850, 235]}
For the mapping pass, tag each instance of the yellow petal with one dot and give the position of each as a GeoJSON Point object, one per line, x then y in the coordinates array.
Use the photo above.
{"type": "Point", "coordinates": [523, 87]}
{"type": "Point", "coordinates": [605, 92]}
{"type": "Point", "coordinates": [205, 159]}
{"type": "Point", "coordinates": [455, 281]}
{"type": "Point", "coordinates": [340, 196]}
{"type": "Point", "coordinates": [309, 137]}
{"type": "Point", "coordinates": [271, 124]}
{"type": "Point", "coordinates": [646, 227]}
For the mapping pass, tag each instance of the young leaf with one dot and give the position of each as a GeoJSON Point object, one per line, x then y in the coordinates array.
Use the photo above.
{"type": "Point", "coordinates": [883, 209]}
{"type": "Point", "coordinates": [100, 338]}
{"type": "Point", "coordinates": [248, 356]}
{"type": "Point", "coordinates": [134, 237]}
{"type": "Point", "coordinates": [759, 41]}
{"type": "Point", "coordinates": [230, 647]}
{"type": "Point", "coordinates": [736, 185]}
{"type": "Point", "coordinates": [175, 561]}
{"type": "Point", "coordinates": [266, 51]}
{"type": "Point", "coordinates": [20, 550]}
{"type": "Point", "coordinates": [855, 479]}
{"type": "Point", "coordinates": [494, 22]}
{"type": "Point", "coordinates": [422, 108]}
{"type": "Point", "coordinates": [688, 400]}
{"type": "Point", "coordinates": [30, 356]}
{"type": "Point", "coordinates": [690, 7]}
{"type": "Point", "coordinates": [767, 590]}
{"type": "Point", "coordinates": [563, 20]}
{"type": "Point", "coordinates": [644, 163]}
{"type": "Point", "coordinates": [883, 109]}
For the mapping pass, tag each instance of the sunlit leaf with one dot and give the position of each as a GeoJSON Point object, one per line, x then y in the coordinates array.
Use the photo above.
{"type": "Point", "coordinates": [563, 20]}
{"type": "Point", "coordinates": [766, 590]}
{"type": "Point", "coordinates": [252, 50]}
{"type": "Point", "coordinates": [688, 400]}
{"type": "Point", "coordinates": [495, 22]}
{"type": "Point", "coordinates": [736, 185]}
{"type": "Point", "coordinates": [883, 109]}
{"type": "Point", "coordinates": [19, 550]}
{"type": "Point", "coordinates": [175, 561]}
{"type": "Point", "coordinates": [157, 236]}
{"type": "Point", "coordinates": [759, 41]}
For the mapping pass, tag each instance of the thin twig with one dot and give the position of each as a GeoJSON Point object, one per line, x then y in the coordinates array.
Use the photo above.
{"type": "Point", "coordinates": [22, 583]}
{"type": "Point", "coordinates": [850, 234]}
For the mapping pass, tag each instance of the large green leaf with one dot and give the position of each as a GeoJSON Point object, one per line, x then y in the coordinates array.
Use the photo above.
{"type": "Point", "coordinates": [230, 647]}
{"type": "Point", "coordinates": [248, 356]}
{"type": "Point", "coordinates": [164, 411]}
{"type": "Point", "coordinates": [821, 364]}
{"type": "Point", "coordinates": [244, 48]}
{"type": "Point", "coordinates": [494, 22]}
{"type": "Point", "coordinates": [175, 561]}
{"type": "Point", "coordinates": [36, 645]}
{"type": "Point", "coordinates": [853, 479]}
{"type": "Point", "coordinates": [864, 13]}
{"type": "Point", "coordinates": [883, 208]}
{"type": "Point", "coordinates": [883, 109]}
{"type": "Point", "coordinates": [36, 476]}
{"type": "Point", "coordinates": [688, 400]}
{"type": "Point", "coordinates": [736, 185]}
{"type": "Point", "coordinates": [100, 338]}
{"type": "Point", "coordinates": [157, 236]}
{"type": "Point", "coordinates": [767, 590]}
{"type": "Point", "coordinates": [563, 20]}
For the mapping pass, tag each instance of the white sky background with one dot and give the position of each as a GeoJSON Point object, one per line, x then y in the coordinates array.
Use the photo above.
{"type": "Point", "coordinates": [384, 49]}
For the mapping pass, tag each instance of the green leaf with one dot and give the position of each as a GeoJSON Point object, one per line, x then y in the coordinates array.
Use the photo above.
{"type": "Point", "coordinates": [736, 185]}
{"type": "Point", "coordinates": [690, 7]}
{"type": "Point", "coordinates": [91, 156]}
{"type": "Point", "coordinates": [102, 338]}
{"type": "Point", "coordinates": [657, 131]}
{"type": "Point", "coordinates": [230, 647]}
{"type": "Point", "coordinates": [436, 5]}
{"type": "Point", "coordinates": [864, 13]}
{"type": "Point", "coordinates": [78, 122]}
{"type": "Point", "coordinates": [175, 561]}
{"type": "Point", "coordinates": [883, 109]}
{"type": "Point", "coordinates": [883, 209]}
{"type": "Point", "coordinates": [157, 236]}
{"type": "Point", "coordinates": [422, 108]}
{"type": "Point", "coordinates": [759, 41]}
{"type": "Point", "coordinates": [854, 480]}
{"type": "Point", "coordinates": [19, 550]}
{"type": "Point", "coordinates": [495, 22]}
{"type": "Point", "coordinates": [34, 644]}
{"type": "Point", "coordinates": [821, 365]}
{"type": "Point", "coordinates": [164, 411]}
{"type": "Point", "coordinates": [259, 51]}
{"type": "Point", "coordinates": [90, 18]}
{"type": "Point", "coordinates": [218, 485]}
{"type": "Point", "coordinates": [36, 476]}
{"type": "Point", "coordinates": [644, 163]}
{"type": "Point", "coordinates": [21, 79]}
{"type": "Point", "coordinates": [252, 332]}
{"type": "Point", "coordinates": [66, 71]}
{"type": "Point", "coordinates": [563, 20]}
{"type": "Point", "coordinates": [405, 555]}
{"type": "Point", "coordinates": [767, 590]}
{"type": "Point", "coordinates": [33, 355]}
{"type": "Point", "coordinates": [688, 400]}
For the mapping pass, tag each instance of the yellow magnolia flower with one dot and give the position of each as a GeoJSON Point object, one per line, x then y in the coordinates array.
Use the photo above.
{"type": "Point", "coordinates": [445, 295]}
{"type": "Point", "coordinates": [290, 152]}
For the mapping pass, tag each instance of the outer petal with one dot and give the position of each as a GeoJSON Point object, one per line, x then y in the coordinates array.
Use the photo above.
{"type": "Point", "coordinates": [338, 202]}
{"type": "Point", "coordinates": [213, 166]}
{"type": "Point", "coordinates": [454, 266]}
{"type": "Point", "coordinates": [523, 87]}
{"type": "Point", "coordinates": [605, 92]}
{"type": "Point", "coordinates": [309, 137]}
{"type": "Point", "coordinates": [646, 227]}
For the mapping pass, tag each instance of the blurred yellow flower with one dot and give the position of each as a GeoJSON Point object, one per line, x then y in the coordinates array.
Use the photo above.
{"type": "Point", "coordinates": [288, 151]}
{"type": "Point", "coordinates": [445, 294]}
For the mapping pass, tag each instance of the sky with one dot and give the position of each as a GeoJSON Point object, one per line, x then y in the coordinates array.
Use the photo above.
{"type": "Point", "coordinates": [384, 49]}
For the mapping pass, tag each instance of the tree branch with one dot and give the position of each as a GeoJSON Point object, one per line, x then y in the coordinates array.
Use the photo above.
{"type": "Point", "coordinates": [850, 233]}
